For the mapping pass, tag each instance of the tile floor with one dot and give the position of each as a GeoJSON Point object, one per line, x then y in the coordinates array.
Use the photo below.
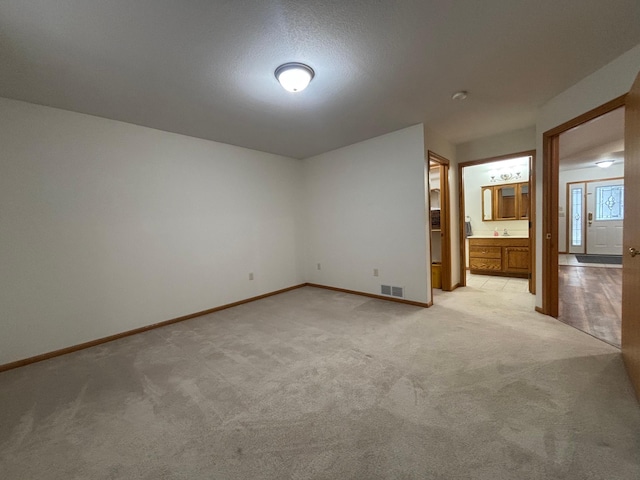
{"type": "Point", "coordinates": [508, 284]}
{"type": "Point", "coordinates": [491, 282]}
{"type": "Point", "coordinates": [571, 260]}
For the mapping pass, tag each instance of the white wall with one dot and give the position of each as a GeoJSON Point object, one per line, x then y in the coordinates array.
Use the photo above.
{"type": "Point", "coordinates": [365, 209]}
{"type": "Point", "coordinates": [579, 175]}
{"type": "Point", "coordinates": [107, 226]}
{"type": "Point", "coordinates": [516, 141]}
{"type": "Point", "coordinates": [609, 82]}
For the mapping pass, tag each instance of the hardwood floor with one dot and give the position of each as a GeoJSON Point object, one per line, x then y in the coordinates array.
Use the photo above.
{"type": "Point", "coordinates": [591, 300]}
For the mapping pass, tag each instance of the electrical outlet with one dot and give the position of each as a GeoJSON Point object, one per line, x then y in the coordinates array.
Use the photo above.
{"type": "Point", "coordinates": [251, 276]}
{"type": "Point", "coordinates": [375, 272]}
{"type": "Point", "coordinates": [318, 266]}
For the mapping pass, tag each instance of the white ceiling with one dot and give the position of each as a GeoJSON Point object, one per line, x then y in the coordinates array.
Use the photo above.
{"type": "Point", "coordinates": [205, 68]}
{"type": "Point", "coordinates": [599, 139]}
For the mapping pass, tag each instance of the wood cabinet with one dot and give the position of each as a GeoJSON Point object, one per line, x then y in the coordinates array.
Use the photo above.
{"type": "Point", "coordinates": [504, 256]}
{"type": "Point", "coordinates": [505, 202]}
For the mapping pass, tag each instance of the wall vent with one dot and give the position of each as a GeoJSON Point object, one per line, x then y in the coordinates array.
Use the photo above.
{"type": "Point", "coordinates": [392, 291]}
{"type": "Point", "coordinates": [397, 292]}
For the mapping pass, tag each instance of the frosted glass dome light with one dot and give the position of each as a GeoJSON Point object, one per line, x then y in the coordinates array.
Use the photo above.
{"type": "Point", "coordinates": [605, 163]}
{"type": "Point", "coordinates": [294, 77]}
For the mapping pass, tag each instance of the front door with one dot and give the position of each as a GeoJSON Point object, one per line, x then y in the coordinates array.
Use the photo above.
{"type": "Point", "coordinates": [631, 261]}
{"type": "Point", "coordinates": [605, 215]}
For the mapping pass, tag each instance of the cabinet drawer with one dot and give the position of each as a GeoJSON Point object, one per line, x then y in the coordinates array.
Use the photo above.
{"type": "Point", "coordinates": [493, 264]}
{"type": "Point", "coordinates": [480, 251]}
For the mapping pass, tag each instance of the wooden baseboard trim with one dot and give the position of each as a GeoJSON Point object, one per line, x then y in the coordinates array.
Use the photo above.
{"type": "Point", "coordinates": [371, 295]}
{"type": "Point", "coordinates": [540, 310]}
{"type": "Point", "coordinates": [117, 336]}
{"type": "Point", "coordinates": [457, 285]}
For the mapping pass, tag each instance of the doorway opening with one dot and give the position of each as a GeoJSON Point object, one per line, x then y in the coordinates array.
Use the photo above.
{"type": "Point", "coordinates": [591, 217]}
{"type": "Point", "coordinates": [497, 241]}
{"type": "Point", "coordinates": [554, 238]}
{"type": "Point", "coordinates": [439, 224]}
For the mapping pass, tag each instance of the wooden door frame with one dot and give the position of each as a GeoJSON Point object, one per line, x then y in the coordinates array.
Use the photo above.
{"type": "Point", "coordinates": [550, 203]}
{"type": "Point", "coordinates": [445, 219]}
{"type": "Point", "coordinates": [532, 212]}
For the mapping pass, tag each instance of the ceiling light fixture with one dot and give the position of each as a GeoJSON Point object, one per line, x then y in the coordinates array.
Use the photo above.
{"type": "Point", "coordinates": [461, 95]}
{"type": "Point", "coordinates": [294, 77]}
{"type": "Point", "coordinates": [605, 163]}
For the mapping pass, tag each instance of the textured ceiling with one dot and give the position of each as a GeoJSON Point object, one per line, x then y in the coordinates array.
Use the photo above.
{"type": "Point", "coordinates": [205, 68]}
{"type": "Point", "coordinates": [599, 139]}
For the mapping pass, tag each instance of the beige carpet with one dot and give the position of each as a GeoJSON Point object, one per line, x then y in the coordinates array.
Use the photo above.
{"type": "Point", "coordinates": [314, 384]}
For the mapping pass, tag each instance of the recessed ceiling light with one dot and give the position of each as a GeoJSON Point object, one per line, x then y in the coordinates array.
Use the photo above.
{"type": "Point", "coordinates": [604, 163]}
{"type": "Point", "coordinates": [294, 77]}
{"type": "Point", "coordinates": [461, 95]}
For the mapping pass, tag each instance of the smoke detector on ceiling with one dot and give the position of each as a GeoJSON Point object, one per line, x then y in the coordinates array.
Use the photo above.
{"type": "Point", "coordinates": [461, 95]}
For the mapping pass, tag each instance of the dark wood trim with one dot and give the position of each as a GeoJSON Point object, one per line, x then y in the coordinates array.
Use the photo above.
{"type": "Point", "coordinates": [532, 211]}
{"type": "Point", "coordinates": [532, 222]}
{"type": "Point", "coordinates": [431, 155]}
{"type": "Point", "coordinates": [428, 226]}
{"type": "Point", "coordinates": [550, 186]}
{"type": "Point", "coordinates": [590, 115]}
{"type": "Point", "coordinates": [117, 336]}
{"type": "Point", "coordinates": [471, 163]}
{"type": "Point", "coordinates": [371, 295]}
{"type": "Point", "coordinates": [446, 233]}
{"type": "Point", "coordinates": [461, 228]}
{"type": "Point", "coordinates": [539, 310]}
{"type": "Point", "coordinates": [550, 194]}
{"type": "Point", "coordinates": [457, 285]}
{"type": "Point", "coordinates": [445, 218]}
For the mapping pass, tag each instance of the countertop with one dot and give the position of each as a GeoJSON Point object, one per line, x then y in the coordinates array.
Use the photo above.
{"type": "Point", "coordinates": [499, 236]}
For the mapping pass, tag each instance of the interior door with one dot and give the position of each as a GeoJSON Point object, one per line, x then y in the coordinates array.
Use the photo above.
{"type": "Point", "coordinates": [631, 261]}
{"type": "Point", "coordinates": [605, 215]}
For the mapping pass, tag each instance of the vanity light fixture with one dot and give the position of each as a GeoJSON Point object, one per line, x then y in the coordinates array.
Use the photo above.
{"type": "Point", "coordinates": [505, 174]}
{"type": "Point", "coordinates": [604, 163]}
{"type": "Point", "coordinates": [294, 77]}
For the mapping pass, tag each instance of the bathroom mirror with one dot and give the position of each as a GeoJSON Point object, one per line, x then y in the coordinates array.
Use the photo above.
{"type": "Point", "coordinates": [505, 202]}
{"type": "Point", "coordinates": [487, 203]}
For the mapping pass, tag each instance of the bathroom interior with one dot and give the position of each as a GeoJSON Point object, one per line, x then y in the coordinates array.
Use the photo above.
{"type": "Point", "coordinates": [496, 210]}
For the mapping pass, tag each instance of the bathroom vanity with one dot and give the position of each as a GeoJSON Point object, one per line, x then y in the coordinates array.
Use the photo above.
{"type": "Point", "coordinates": [504, 256]}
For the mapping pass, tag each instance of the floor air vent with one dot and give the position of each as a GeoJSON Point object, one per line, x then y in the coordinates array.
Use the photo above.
{"type": "Point", "coordinates": [392, 291]}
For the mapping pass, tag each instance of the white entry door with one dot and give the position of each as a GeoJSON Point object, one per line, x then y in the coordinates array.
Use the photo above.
{"type": "Point", "coordinates": [605, 215]}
